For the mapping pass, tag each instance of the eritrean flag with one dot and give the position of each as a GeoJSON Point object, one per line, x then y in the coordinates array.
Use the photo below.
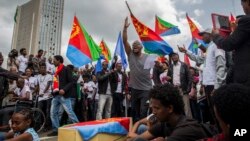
{"type": "Point", "coordinates": [89, 129]}
{"type": "Point", "coordinates": [105, 51]}
{"type": "Point", "coordinates": [195, 35]}
{"type": "Point", "coordinates": [81, 49]}
{"type": "Point", "coordinates": [151, 41]}
{"type": "Point", "coordinates": [164, 28]}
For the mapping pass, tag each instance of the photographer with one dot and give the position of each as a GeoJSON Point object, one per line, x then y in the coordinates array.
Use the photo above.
{"type": "Point", "coordinates": [12, 59]}
{"type": "Point", "coordinates": [238, 41]}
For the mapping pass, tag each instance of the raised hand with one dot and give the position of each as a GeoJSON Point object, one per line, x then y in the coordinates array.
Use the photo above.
{"type": "Point", "coordinates": [126, 24]}
{"type": "Point", "coordinates": [182, 49]}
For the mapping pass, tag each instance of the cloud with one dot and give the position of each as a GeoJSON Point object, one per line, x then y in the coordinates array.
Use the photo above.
{"type": "Point", "coordinates": [199, 12]}
{"type": "Point", "coordinates": [105, 19]}
{"type": "Point", "coordinates": [193, 1]}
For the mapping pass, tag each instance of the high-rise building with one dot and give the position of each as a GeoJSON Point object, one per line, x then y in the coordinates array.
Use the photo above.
{"type": "Point", "coordinates": [38, 25]}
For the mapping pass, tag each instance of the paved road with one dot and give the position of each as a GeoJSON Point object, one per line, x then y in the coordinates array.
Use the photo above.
{"type": "Point", "coordinates": [43, 137]}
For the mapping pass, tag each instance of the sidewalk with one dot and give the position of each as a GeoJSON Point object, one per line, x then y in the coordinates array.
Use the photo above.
{"type": "Point", "coordinates": [43, 137]}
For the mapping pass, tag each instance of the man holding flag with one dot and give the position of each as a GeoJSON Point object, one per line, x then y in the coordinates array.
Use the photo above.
{"type": "Point", "coordinates": [139, 77]}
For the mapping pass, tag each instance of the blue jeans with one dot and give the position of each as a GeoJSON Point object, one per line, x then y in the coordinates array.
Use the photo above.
{"type": "Point", "coordinates": [56, 103]}
{"type": "Point", "coordinates": [61, 111]}
{"type": "Point", "coordinates": [141, 129]}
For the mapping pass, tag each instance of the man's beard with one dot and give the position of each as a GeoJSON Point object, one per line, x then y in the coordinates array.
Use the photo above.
{"type": "Point", "coordinates": [175, 62]}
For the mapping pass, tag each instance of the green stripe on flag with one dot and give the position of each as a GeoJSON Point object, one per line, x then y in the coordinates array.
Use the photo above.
{"type": "Point", "coordinates": [164, 23]}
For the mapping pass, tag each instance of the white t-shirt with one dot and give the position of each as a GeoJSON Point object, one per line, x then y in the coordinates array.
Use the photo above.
{"type": "Point", "coordinates": [176, 74]}
{"type": "Point", "coordinates": [163, 77]}
{"type": "Point", "coordinates": [12, 86]}
{"type": "Point", "coordinates": [23, 92]}
{"type": "Point", "coordinates": [43, 82]}
{"type": "Point", "coordinates": [50, 68]}
{"type": "Point", "coordinates": [31, 83]}
{"type": "Point", "coordinates": [91, 88]}
{"type": "Point", "coordinates": [119, 86]}
{"type": "Point", "coordinates": [23, 63]}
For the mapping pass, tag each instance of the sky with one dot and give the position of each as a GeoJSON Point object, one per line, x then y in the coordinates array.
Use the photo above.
{"type": "Point", "coordinates": [104, 19]}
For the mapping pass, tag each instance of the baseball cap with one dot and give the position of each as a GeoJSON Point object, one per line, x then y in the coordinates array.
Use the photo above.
{"type": "Point", "coordinates": [208, 30]}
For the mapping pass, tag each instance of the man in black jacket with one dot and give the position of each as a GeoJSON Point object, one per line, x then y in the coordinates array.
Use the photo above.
{"type": "Point", "coordinates": [3, 83]}
{"type": "Point", "coordinates": [105, 90]}
{"type": "Point", "coordinates": [62, 87]}
{"type": "Point", "coordinates": [118, 84]}
{"type": "Point", "coordinates": [182, 79]}
{"type": "Point", "coordinates": [240, 42]}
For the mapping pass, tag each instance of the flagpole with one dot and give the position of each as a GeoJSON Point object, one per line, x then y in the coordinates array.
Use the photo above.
{"type": "Point", "coordinates": [128, 8]}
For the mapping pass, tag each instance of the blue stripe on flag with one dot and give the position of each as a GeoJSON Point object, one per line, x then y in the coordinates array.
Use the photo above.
{"type": "Point", "coordinates": [76, 57]}
{"type": "Point", "coordinates": [89, 131]}
{"type": "Point", "coordinates": [157, 47]}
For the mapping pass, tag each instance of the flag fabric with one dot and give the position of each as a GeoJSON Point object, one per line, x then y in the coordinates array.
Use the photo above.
{"type": "Point", "coordinates": [232, 22]}
{"type": "Point", "coordinates": [120, 51]}
{"type": "Point", "coordinates": [98, 67]}
{"type": "Point", "coordinates": [195, 35]}
{"type": "Point", "coordinates": [151, 41]}
{"type": "Point", "coordinates": [232, 18]}
{"type": "Point", "coordinates": [164, 28]}
{"type": "Point", "coordinates": [81, 49]}
{"type": "Point", "coordinates": [186, 60]}
{"type": "Point", "coordinates": [105, 51]}
{"type": "Point", "coordinates": [89, 129]}
{"type": "Point", "coordinates": [56, 79]}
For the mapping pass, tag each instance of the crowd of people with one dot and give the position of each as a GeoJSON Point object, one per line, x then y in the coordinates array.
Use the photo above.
{"type": "Point", "coordinates": [171, 101]}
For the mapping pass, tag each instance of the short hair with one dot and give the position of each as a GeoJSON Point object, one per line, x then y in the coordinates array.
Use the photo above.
{"type": "Point", "coordinates": [168, 95]}
{"type": "Point", "coordinates": [59, 58]}
{"type": "Point", "coordinates": [22, 49]}
{"type": "Point", "coordinates": [232, 104]}
{"type": "Point", "coordinates": [42, 64]}
{"type": "Point", "coordinates": [40, 50]}
{"type": "Point", "coordinates": [70, 66]}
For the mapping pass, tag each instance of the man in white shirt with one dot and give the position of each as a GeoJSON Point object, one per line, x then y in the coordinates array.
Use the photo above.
{"type": "Point", "coordinates": [214, 71]}
{"type": "Point", "coordinates": [50, 66]}
{"type": "Point", "coordinates": [181, 78]}
{"type": "Point", "coordinates": [22, 91]}
{"type": "Point", "coordinates": [22, 61]}
{"type": "Point", "coordinates": [119, 86]}
{"type": "Point", "coordinates": [44, 84]}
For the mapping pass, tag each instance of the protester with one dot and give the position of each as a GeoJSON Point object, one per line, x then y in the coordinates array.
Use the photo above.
{"type": "Point", "coordinates": [140, 80]}
{"type": "Point", "coordinates": [44, 82]}
{"type": "Point", "coordinates": [232, 113]}
{"type": "Point", "coordinates": [4, 86]}
{"type": "Point", "coordinates": [142, 126]}
{"type": "Point", "coordinates": [239, 42]}
{"type": "Point", "coordinates": [12, 59]}
{"type": "Point", "coordinates": [168, 106]}
{"type": "Point", "coordinates": [21, 125]}
{"type": "Point", "coordinates": [50, 66]}
{"type": "Point", "coordinates": [62, 85]}
{"type": "Point", "coordinates": [214, 71]}
{"type": "Point", "coordinates": [182, 79]}
{"type": "Point", "coordinates": [39, 58]}
{"type": "Point", "coordinates": [157, 70]}
{"type": "Point", "coordinates": [22, 61]}
{"type": "Point", "coordinates": [119, 90]}
{"type": "Point", "coordinates": [31, 81]}
{"type": "Point", "coordinates": [164, 75]}
{"type": "Point", "coordinates": [105, 91]}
